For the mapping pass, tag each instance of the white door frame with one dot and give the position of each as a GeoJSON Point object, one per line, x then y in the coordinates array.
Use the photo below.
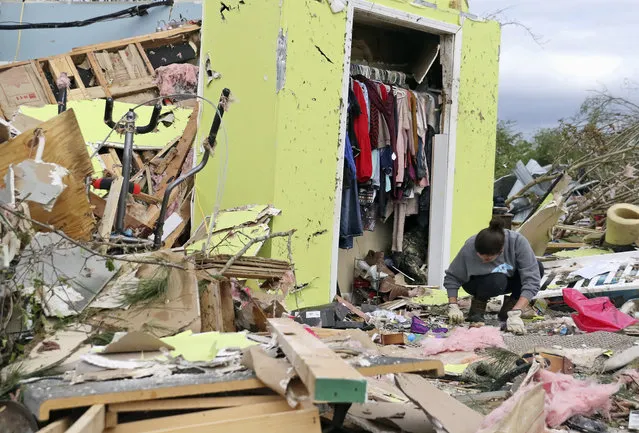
{"type": "Point", "coordinates": [440, 226]}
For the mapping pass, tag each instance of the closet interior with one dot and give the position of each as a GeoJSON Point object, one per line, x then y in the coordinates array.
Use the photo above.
{"type": "Point", "coordinates": [396, 90]}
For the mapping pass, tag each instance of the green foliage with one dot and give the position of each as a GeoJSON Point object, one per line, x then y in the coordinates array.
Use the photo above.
{"type": "Point", "coordinates": [511, 147]}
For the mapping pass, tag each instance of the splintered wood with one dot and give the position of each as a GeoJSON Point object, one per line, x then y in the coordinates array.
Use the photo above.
{"type": "Point", "coordinates": [327, 377]}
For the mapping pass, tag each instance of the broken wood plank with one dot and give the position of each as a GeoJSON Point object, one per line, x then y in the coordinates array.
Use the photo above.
{"type": "Point", "coordinates": [434, 367]}
{"type": "Point", "coordinates": [99, 207]}
{"type": "Point", "coordinates": [184, 146]}
{"type": "Point", "coordinates": [149, 181]}
{"type": "Point", "coordinates": [117, 164]}
{"type": "Point", "coordinates": [578, 229]}
{"type": "Point", "coordinates": [327, 377]}
{"type": "Point", "coordinates": [98, 74]}
{"type": "Point", "coordinates": [192, 403]}
{"type": "Point", "coordinates": [558, 246]}
{"type": "Point", "coordinates": [108, 216]}
{"type": "Point", "coordinates": [59, 426]}
{"type": "Point", "coordinates": [441, 408]}
{"type": "Point", "coordinates": [199, 418]}
{"type": "Point", "coordinates": [139, 164]}
{"type": "Point", "coordinates": [352, 308]}
{"type": "Point", "coordinates": [397, 338]}
{"type": "Point", "coordinates": [216, 307]}
{"type": "Point", "coordinates": [173, 34]}
{"type": "Point", "coordinates": [145, 58]}
{"type": "Point", "coordinates": [146, 198]}
{"type": "Point", "coordinates": [92, 421]}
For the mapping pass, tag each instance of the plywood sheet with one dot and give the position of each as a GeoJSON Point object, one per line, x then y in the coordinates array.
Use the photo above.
{"type": "Point", "coordinates": [20, 85]}
{"type": "Point", "coordinates": [65, 146]}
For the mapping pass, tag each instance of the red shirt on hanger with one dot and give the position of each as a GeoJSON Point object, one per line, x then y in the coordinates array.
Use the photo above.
{"type": "Point", "coordinates": [364, 161]}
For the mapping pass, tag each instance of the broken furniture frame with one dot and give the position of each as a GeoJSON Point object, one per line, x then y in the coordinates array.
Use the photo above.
{"type": "Point", "coordinates": [128, 126]}
{"type": "Point", "coordinates": [209, 145]}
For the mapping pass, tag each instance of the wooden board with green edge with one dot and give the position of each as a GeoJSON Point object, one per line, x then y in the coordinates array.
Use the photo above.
{"type": "Point", "coordinates": [327, 377]}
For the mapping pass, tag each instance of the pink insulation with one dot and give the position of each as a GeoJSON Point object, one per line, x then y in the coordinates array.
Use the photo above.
{"type": "Point", "coordinates": [177, 78]}
{"type": "Point", "coordinates": [565, 398]}
{"type": "Point", "coordinates": [63, 81]}
{"type": "Point", "coordinates": [464, 340]}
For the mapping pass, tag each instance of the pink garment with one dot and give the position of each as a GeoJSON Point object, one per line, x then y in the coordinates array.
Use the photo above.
{"type": "Point", "coordinates": [596, 314]}
{"type": "Point", "coordinates": [404, 133]}
{"type": "Point", "coordinates": [464, 340]}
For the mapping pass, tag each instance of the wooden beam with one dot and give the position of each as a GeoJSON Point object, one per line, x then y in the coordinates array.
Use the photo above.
{"type": "Point", "coordinates": [305, 420]}
{"type": "Point", "coordinates": [216, 307]}
{"type": "Point", "coordinates": [182, 31]}
{"type": "Point", "coordinates": [183, 148]}
{"type": "Point", "coordinates": [432, 366]}
{"type": "Point", "coordinates": [352, 308]}
{"type": "Point", "coordinates": [145, 58]}
{"type": "Point", "coordinates": [327, 377]}
{"type": "Point", "coordinates": [199, 418]}
{"type": "Point", "coordinates": [108, 216]}
{"type": "Point", "coordinates": [117, 164]}
{"type": "Point", "coordinates": [98, 74]}
{"type": "Point", "coordinates": [92, 421]}
{"type": "Point", "coordinates": [192, 403]}
{"type": "Point", "coordinates": [99, 207]}
{"type": "Point", "coordinates": [44, 82]}
{"type": "Point", "coordinates": [556, 246]}
{"type": "Point", "coordinates": [59, 426]}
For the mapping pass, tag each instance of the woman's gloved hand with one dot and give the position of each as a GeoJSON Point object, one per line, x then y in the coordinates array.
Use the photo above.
{"type": "Point", "coordinates": [514, 323]}
{"type": "Point", "coordinates": [455, 315]}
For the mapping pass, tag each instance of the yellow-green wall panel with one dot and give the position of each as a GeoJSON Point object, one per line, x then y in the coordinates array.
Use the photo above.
{"type": "Point", "coordinates": [242, 48]}
{"type": "Point", "coordinates": [475, 149]}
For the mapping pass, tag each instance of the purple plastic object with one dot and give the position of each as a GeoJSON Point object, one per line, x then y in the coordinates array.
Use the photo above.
{"type": "Point", "coordinates": [418, 326]}
{"type": "Point", "coordinates": [439, 330]}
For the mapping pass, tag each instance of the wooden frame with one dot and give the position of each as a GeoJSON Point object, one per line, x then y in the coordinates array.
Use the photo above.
{"type": "Point", "coordinates": [443, 180]}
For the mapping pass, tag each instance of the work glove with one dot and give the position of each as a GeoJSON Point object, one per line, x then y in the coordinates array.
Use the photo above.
{"type": "Point", "coordinates": [514, 323]}
{"type": "Point", "coordinates": [455, 315]}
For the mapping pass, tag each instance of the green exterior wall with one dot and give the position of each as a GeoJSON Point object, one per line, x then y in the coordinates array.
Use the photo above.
{"type": "Point", "coordinates": [283, 146]}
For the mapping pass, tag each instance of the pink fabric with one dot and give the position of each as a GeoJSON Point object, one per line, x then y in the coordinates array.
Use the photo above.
{"type": "Point", "coordinates": [597, 314]}
{"type": "Point", "coordinates": [464, 340]}
{"type": "Point", "coordinates": [565, 398]}
{"type": "Point", "coordinates": [177, 79]}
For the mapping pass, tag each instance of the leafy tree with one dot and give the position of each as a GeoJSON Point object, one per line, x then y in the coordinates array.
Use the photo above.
{"type": "Point", "coordinates": [511, 147]}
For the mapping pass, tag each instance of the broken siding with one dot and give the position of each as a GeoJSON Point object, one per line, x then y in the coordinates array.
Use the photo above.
{"type": "Point", "coordinates": [477, 117]}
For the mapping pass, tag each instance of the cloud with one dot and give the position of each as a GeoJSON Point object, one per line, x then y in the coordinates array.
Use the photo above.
{"type": "Point", "coordinates": [585, 47]}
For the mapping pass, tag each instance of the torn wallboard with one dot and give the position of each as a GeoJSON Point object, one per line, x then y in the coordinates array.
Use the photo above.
{"type": "Point", "coordinates": [89, 114]}
{"type": "Point", "coordinates": [173, 307]}
{"type": "Point", "coordinates": [20, 85]}
{"type": "Point", "coordinates": [64, 277]}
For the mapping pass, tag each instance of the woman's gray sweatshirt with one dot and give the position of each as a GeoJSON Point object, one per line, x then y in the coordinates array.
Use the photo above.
{"type": "Point", "coordinates": [518, 255]}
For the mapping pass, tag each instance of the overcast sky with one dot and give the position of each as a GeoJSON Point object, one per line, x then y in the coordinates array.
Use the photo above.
{"type": "Point", "coordinates": [585, 45]}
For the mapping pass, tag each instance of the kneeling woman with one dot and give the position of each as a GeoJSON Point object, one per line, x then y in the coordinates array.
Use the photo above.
{"type": "Point", "coordinates": [495, 262]}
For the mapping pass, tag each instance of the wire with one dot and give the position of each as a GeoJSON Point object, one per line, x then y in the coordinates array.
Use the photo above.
{"type": "Point", "coordinates": [125, 13]}
{"type": "Point", "coordinates": [15, 59]}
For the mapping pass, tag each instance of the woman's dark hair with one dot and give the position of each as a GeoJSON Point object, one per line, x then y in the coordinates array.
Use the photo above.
{"type": "Point", "coordinates": [490, 241]}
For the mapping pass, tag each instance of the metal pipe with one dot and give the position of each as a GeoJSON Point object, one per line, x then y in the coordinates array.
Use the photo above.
{"type": "Point", "coordinates": [108, 113]}
{"type": "Point", "coordinates": [153, 122]}
{"type": "Point", "coordinates": [127, 157]}
{"type": "Point", "coordinates": [208, 148]}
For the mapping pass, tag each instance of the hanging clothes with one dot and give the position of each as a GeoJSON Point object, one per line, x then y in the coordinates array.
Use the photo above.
{"type": "Point", "coordinates": [350, 219]}
{"type": "Point", "coordinates": [363, 161]}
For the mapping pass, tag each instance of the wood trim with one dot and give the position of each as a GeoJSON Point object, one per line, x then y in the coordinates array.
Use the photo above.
{"type": "Point", "coordinates": [306, 420]}
{"type": "Point", "coordinates": [192, 403]}
{"type": "Point", "coordinates": [99, 206]}
{"type": "Point", "coordinates": [59, 426]}
{"type": "Point", "coordinates": [204, 417]}
{"type": "Point", "coordinates": [433, 366]}
{"type": "Point", "coordinates": [44, 82]}
{"type": "Point", "coordinates": [146, 394]}
{"type": "Point", "coordinates": [145, 59]}
{"type": "Point", "coordinates": [168, 34]}
{"type": "Point", "coordinates": [92, 421]}
{"type": "Point", "coordinates": [98, 74]}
